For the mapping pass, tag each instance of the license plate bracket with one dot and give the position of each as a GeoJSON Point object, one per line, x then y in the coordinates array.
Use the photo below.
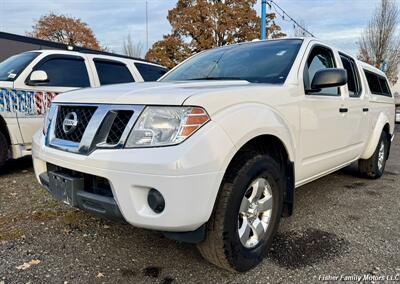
{"type": "Point", "coordinates": [64, 187]}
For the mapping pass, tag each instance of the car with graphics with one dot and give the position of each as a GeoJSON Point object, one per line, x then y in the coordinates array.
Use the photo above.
{"type": "Point", "coordinates": [29, 81]}
{"type": "Point", "coordinates": [212, 152]}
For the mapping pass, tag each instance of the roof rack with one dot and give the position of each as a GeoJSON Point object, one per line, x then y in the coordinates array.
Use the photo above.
{"type": "Point", "coordinates": [57, 45]}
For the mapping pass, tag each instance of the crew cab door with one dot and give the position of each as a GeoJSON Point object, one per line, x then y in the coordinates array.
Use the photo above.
{"type": "Point", "coordinates": [357, 102]}
{"type": "Point", "coordinates": [65, 73]}
{"type": "Point", "coordinates": [323, 130]}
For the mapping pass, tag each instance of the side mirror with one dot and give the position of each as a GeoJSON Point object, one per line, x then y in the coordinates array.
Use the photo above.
{"type": "Point", "coordinates": [38, 77]}
{"type": "Point", "coordinates": [326, 78]}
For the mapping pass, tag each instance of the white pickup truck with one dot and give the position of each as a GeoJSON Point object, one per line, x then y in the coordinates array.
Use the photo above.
{"type": "Point", "coordinates": [30, 80]}
{"type": "Point", "coordinates": [212, 152]}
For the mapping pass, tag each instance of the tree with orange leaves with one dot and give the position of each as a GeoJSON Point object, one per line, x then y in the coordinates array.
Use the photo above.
{"type": "Point", "coordinates": [202, 24]}
{"type": "Point", "coordinates": [63, 29]}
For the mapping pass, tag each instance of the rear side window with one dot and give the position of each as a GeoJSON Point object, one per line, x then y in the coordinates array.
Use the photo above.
{"type": "Point", "coordinates": [65, 71]}
{"type": "Point", "coordinates": [150, 72]}
{"type": "Point", "coordinates": [384, 87]}
{"type": "Point", "coordinates": [112, 72]}
{"type": "Point", "coordinates": [377, 84]}
{"type": "Point", "coordinates": [353, 78]}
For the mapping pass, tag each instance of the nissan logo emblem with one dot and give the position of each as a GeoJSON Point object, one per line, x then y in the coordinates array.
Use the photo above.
{"type": "Point", "coordinates": [70, 122]}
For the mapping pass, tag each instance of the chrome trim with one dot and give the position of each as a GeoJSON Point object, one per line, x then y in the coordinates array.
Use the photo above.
{"type": "Point", "coordinates": [96, 132]}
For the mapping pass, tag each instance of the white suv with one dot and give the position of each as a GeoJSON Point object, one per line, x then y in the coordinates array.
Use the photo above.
{"type": "Point", "coordinates": [30, 80]}
{"type": "Point", "coordinates": [211, 153]}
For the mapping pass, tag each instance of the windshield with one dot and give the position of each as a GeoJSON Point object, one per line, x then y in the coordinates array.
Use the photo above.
{"type": "Point", "coordinates": [14, 65]}
{"type": "Point", "coordinates": [259, 62]}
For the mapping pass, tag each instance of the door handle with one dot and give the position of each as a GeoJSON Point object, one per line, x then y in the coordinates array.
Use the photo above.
{"type": "Point", "coordinates": [343, 109]}
{"type": "Point", "coordinates": [365, 109]}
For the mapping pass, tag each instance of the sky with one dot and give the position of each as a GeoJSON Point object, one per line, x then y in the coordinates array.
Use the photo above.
{"type": "Point", "coordinates": [337, 22]}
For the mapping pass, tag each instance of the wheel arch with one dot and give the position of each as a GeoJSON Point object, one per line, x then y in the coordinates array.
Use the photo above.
{"type": "Point", "coordinates": [262, 128]}
{"type": "Point", "coordinates": [274, 146]}
{"type": "Point", "coordinates": [4, 130]}
{"type": "Point", "coordinates": [382, 124]}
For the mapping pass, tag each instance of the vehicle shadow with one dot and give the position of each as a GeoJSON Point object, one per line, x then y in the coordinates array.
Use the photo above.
{"type": "Point", "coordinates": [14, 166]}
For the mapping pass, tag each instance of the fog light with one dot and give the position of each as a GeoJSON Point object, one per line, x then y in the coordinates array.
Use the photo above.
{"type": "Point", "coordinates": [156, 201]}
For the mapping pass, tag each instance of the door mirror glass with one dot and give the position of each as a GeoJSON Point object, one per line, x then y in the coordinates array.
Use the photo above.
{"type": "Point", "coordinates": [38, 77]}
{"type": "Point", "coordinates": [327, 78]}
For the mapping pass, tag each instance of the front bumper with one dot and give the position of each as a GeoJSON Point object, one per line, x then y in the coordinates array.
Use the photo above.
{"type": "Point", "coordinates": [187, 175]}
{"type": "Point", "coordinates": [103, 206]}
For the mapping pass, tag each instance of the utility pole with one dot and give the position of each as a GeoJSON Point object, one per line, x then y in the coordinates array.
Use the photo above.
{"type": "Point", "coordinates": [147, 28]}
{"type": "Point", "coordinates": [263, 18]}
{"type": "Point", "coordinates": [383, 66]}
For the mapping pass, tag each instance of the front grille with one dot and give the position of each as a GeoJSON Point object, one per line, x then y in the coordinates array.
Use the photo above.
{"type": "Point", "coordinates": [84, 114]}
{"type": "Point", "coordinates": [108, 125]}
{"type": "Point", "coordinates": [118, 126]}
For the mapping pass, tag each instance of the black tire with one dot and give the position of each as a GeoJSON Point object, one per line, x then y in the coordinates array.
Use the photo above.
{"type": "Point", "coordinates": [370, 168]}
{"type": "Point", "coordinates": [222, 245]}
{"type": "Point", "coordinates": [3, 149]}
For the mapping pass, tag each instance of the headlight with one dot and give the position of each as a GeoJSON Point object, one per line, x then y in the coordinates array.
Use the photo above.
{"type": "Point", "coordinates": [164, 126]}
{"type": "Point", "coordinates": [48, 117]}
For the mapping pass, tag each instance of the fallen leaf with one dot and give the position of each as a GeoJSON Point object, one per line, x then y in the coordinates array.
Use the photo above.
{"type": "Point", "coordinates": [99, 275]}
{"type": "Point", "coordinates": [27, 265]}
{"type": "Point", "coordinates": [34, 261]}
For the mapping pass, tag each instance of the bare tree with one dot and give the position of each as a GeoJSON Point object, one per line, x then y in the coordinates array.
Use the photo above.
{"type": "Point", "coordinates": [380, 42]}
{"type": "Point", "coordinates": [131, 48]}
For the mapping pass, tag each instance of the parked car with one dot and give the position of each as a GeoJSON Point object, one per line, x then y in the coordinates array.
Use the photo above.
{"type": "Point", "coordinates": [212, 152]}
{"type": "Point", "coordinates": [30, 80]}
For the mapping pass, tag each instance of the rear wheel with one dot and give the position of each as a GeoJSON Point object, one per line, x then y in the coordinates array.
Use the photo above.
{"type": "Point", "coordinates": [247, 214]}
{"type": "Point", "coordinates": [375, 166]}
{"type": "Point", "coordinates": [3, 149]}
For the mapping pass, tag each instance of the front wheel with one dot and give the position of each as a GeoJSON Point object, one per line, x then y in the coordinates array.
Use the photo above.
{"type": "Point", "coordinates": [247, 214]}
{"type": "Point", "coordinates": [375, 166]}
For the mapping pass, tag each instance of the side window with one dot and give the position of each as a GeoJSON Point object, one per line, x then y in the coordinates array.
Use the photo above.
{"type": "Point", "coordinates": [65, 72]}
{"type": "Point", "coordinates": [150, 72]}
{"type": "Point", "coordinates": [377, 84]}
{"type": "Point", "coordinates": [373, 83]}
{"type": "Point", "coordinates": [353, 78]}
{"type": "Point", "coordinates": [319, 58]}
{"type": "Point", "coordinates": [384, 87]}
{"type": "Point", "coordinates": [112, 72]}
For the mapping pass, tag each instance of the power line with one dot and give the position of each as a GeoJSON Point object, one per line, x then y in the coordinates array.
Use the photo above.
{"type": "Point", "coordinates": [283, 14]}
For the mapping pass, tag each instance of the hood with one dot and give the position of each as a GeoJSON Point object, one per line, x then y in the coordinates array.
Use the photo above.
{"type": "Point", "coordinates": [156, 93]}
{"type": "Point", "coordinates": [6, 84]}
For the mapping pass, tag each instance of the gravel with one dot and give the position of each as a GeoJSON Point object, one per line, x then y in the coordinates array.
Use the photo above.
{"type": "Point", "coordinates": [343, 226]}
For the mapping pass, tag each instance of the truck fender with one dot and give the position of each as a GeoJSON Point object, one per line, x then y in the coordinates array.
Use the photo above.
{"type": "Point", "coordinates": [374, 138]}
{"type": "Point", "coordinates": [245, 122]}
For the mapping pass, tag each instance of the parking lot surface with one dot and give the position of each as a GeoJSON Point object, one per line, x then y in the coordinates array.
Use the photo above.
{"type": "Point", "coordinates": [343, 225]}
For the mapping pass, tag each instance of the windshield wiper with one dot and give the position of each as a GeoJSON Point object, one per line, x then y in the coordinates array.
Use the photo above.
{"type": "Point", "coordinates": [217, 78]}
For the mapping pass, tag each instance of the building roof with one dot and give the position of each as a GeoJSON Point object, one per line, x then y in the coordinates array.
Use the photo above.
{"type": "Point", "coordinates": [57, 45]}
